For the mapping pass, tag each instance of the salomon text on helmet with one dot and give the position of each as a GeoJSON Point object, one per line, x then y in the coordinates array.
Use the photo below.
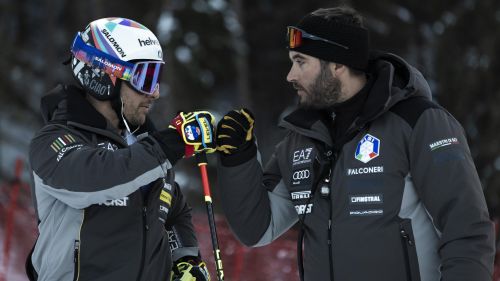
{"type": "Point", "coordinates": [116, 48]}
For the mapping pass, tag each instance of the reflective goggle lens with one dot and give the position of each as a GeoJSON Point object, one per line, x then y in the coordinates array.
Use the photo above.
{"type": "Point", "coordinates": [294, 37]}
{"type": "Point", "coordinates": [146, 76]}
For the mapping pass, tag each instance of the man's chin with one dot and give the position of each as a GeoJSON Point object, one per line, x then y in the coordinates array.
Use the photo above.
{"type": "Point", "coordinates": [136, 122]}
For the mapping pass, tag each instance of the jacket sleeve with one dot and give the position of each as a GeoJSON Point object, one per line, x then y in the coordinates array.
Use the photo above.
{"type": "Point", "coordinates": [257, 204]}
{"type": "Point", "coordinates": [79, 174]}
{"type": "Point", "coordinates": [182, 237]}
{"type": "Point", "coordinates": [447, 182]}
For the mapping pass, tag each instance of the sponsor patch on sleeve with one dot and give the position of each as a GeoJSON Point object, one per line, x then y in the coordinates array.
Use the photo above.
{"type": "Point", "coordinates": [173, 241]}
{"type": "Point", "coordinates": [166, 197]}
{"type": "Point", "coordinates": [442, 143]}
{"type": "Point", "coordinates": [64, 144]}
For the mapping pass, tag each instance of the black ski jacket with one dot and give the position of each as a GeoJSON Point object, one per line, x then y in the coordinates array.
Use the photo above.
{"type": "Point", "coordinates": [106, 211]}
{"type": "Point", "coordinates": [400, 199]}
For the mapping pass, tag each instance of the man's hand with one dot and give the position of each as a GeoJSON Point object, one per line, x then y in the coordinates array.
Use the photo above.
{"type": "Point", "coordinates": [235, 131]}
{"type": "Point", "coordinates": [235, 138]}
{"type": "Point", "coordinates": [197, 131]}
{"type": "Point", "coordinates": [190, 269]}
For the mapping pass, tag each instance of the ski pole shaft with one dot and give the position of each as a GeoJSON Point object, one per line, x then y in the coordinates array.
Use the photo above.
{"type": "Point", "coordinates": [201, 158]}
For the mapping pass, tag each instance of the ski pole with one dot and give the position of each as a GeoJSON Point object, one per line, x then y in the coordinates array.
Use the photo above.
{"type": "Point", "coordinates": [201, 158]}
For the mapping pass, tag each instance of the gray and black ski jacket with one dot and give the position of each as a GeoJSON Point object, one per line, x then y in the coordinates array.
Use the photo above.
{"type": "Point", "coordinates": [399, 200]}
{"type": "Point", "coordinates": [96, 221]}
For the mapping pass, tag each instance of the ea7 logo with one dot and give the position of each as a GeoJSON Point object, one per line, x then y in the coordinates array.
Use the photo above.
{"type": "Point", "coordinates": [302, 156]}
{"type": "Point", "coordinates": [107, 145]}
{"type": "Point", "coordinates": [301, 174]}
{"type": "Point", "coordinates": [172, 240]}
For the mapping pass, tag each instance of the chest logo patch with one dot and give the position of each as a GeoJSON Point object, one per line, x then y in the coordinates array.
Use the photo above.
{"type": "Point", "coordinates": [302, 156]}
{"type": "Point", "coordinates": [368, 148]}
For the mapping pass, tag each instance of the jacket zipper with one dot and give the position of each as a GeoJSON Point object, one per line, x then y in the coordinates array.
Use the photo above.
{"type": "Point", "coordinates": [330, 218]}
{"type": "Point", "coordinates": [76, 253]}
{"type": "Point", "coordinates": [76, 260]}
{"type": "Point", "coordinates": [145, 228]}
{"type": "Point", "coordinates": [407, 242]}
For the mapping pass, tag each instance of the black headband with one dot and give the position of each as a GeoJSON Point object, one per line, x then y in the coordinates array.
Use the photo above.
{"type": "Point", "coordinates": [354, 37]}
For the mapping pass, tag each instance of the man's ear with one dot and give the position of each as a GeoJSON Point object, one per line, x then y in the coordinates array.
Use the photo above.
{"type": "Point", "coordinates": [337, 69]}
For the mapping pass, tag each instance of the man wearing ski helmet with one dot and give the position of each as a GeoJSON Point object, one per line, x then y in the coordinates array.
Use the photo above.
{"type": "Point", "coordinates": [106, 200]}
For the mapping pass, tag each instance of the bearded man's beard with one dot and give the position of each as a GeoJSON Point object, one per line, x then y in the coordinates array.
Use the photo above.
{"type": "Point", "coordinates": [324, 92]}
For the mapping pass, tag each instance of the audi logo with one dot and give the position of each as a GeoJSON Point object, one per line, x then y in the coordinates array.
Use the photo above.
{"type": "Point", "coordinates": [301, 175]}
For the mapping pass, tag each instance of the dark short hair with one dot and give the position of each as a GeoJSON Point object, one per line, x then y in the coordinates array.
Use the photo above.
{"type": "Point", "coordinates": [343, 25]}
{"type": "Point", "coordinates": [341, 14]}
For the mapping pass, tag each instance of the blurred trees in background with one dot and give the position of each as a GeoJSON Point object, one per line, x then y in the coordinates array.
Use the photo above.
{"type": "Point", "coordinates": [222, 54]}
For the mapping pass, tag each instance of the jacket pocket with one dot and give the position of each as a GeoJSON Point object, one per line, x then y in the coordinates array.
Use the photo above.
{"type": "Point", "coordinates": [76, 260]}
{"type": "Point", "coordinates": [410, 251]}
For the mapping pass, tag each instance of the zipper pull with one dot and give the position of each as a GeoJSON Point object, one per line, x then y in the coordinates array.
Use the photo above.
{"type": "Point", "coordinates": [406, 237]}
{"type": "Point", "coordinates": [324, 189]}
{"type": "Point", "coordinates": [77, 249]}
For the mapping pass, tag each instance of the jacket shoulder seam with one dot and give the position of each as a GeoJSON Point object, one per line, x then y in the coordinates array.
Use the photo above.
{"type": "Point", "coordinates": [411, 109]}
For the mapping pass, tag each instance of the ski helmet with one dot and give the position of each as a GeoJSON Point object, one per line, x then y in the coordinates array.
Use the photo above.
{"type": "Point", "coordinates": [116, 48]}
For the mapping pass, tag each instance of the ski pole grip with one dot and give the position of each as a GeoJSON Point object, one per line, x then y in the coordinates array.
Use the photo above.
{"type": "Point", "coordinates": [201, 158]}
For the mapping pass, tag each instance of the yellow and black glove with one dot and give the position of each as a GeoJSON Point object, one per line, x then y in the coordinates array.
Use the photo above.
{"type": "Point", "coordinates": [235, 138]}
{"type": "Point", "coordinates": [189, 269]}
{"type": "Point", "coordinates": [197, 131]}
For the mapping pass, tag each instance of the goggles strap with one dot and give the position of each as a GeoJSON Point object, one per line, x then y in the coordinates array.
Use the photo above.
{"type": "Point", "coordinates": [356, 38]}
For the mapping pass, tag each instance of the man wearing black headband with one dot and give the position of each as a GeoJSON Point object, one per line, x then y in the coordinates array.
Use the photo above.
{"type": "Point", "coordinates": [379, 177]}
{"type": "Point", "coordinates": [107, 203]}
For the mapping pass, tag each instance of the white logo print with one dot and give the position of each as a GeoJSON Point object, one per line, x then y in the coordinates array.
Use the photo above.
{"type": "Point", "coordinates": [365, 170]}
{"type": "Point", "coordinates": [303, 209]}
{"type": "Point", "coordinates": [301, 174]}
{"type": "Point", "coordinates": [301, 195]}
{"type": "Point", "coordinates": [302, 156]}
{"type": "Point", "coordinates": [366, 199]}
{"type": "Point", "coordinates": [116, 202]}
{"type": "Point", "coordinates": [442, 143]}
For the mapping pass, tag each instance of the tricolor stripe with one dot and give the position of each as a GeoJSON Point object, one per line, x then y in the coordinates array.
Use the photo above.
{"type": "Point", "coordinates": [61, 142]}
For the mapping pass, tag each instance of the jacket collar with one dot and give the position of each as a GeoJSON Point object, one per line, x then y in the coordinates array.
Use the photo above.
{"type": "Point", "coordinates": [66, 104]}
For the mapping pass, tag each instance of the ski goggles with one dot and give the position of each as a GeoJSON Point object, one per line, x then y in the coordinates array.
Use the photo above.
{"type": "Point", "coordinates": [143, 76]}
{"type": "Point", "coordinates": [295, 35]}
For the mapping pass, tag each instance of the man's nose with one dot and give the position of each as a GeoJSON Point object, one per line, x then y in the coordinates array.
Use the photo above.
{"type": "Point", "coordinates": [291, 75]}
{"type": "Point", "coordinates": [156, 93]}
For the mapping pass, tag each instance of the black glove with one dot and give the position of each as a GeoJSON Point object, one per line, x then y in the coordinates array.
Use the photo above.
{"type": "Point", "coordinates": [189, 269]}
{"type": "Point", "coordinates": [235, 138]}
